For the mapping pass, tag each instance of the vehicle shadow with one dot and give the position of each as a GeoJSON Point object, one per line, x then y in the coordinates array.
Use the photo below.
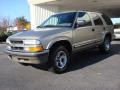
{"type": "Point", "coordinates": [86, 58]}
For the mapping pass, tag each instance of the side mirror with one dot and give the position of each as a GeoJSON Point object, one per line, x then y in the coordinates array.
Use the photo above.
{"type": "Point", "coordinates": [80, 22]}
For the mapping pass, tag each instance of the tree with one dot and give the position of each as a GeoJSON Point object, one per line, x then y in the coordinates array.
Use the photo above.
{"type": "Point", "coordinates": [21, 22]}
{"type": "Point", "coordinates": [28, 26]}
{"type": "Point", "coordinates": [5, 23]}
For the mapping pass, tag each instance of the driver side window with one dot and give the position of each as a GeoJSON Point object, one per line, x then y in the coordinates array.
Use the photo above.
{"type": "Point", "coordinates": [83, 20]}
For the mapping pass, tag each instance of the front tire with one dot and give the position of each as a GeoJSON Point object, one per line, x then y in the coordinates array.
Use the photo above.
{"type": "Point", "coordinates": [106, 46]}
{"type": "Point", "coordinates": [60, 59]}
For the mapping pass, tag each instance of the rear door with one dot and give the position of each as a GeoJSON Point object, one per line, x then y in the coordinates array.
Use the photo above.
{"type": "Point", "coordinates": [108, 24]}
{"type": "Point", "coordinates": [98, 27]}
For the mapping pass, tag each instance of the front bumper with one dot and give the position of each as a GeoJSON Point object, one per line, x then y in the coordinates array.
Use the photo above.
{"type": "Point", "coordinates": [30, 58]}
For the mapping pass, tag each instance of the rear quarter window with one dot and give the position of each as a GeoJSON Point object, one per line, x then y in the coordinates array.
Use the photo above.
{"type": "Point", "coordinates": [107, 20]}
{"type": "Point", "coordinates": [96, 19]}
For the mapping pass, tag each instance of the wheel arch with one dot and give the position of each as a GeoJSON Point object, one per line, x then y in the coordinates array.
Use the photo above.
{"type": "Point", "coordinates": [64, 43]}
{"type": "Point", "coordinates": [108, 34]}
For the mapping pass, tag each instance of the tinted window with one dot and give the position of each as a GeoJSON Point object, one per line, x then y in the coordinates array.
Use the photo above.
{"type": "Point", "coordinates": [60, 20]}
{"type": "Point", "coordinates": [107, 20]}
{"type": "Point", "coordinates": [82, 16]}
{"type": "Point", "coordinates": [97, 20]}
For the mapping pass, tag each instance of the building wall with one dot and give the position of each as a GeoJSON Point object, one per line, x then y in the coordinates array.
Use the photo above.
{"type": "Point", "coordinates": [39, 13]}
{"type": "Point", "coordinates": [10, 29]}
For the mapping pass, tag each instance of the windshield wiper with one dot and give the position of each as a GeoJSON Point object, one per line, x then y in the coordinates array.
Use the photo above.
{"type": "Point", "coordinates": [49, 26]}
{"type": "Point", "coordinates": [46, 26]}
{"type": "Point", "coordinates": [39, 26]}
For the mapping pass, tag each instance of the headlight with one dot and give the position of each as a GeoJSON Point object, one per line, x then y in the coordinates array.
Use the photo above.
{"type": "Point", "coordinates": [7, 41]}
{"type": "Point", "coordinates": [33, 46]}
{"type": "Point", "coordinates": [32, 42]}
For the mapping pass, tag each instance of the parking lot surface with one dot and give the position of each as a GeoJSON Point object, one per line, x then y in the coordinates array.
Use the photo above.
{"type": "Point", "coordinates": [90, 70]}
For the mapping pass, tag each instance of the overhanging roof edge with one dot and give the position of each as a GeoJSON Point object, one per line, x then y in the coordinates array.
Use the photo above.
{"type": "Point", "coordinates": [39, 1]}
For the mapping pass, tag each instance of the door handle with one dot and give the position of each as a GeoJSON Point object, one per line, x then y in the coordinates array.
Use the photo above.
{"type": "Point", "coordinates": [93, 30]}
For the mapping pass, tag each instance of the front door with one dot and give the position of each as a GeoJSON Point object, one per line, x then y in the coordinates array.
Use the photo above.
{"type": "Point", "coordinates": [83, 33]}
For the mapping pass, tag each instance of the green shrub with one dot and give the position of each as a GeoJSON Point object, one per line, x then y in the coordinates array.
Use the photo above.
{"type": "Point", "coordinates": [3, 37]}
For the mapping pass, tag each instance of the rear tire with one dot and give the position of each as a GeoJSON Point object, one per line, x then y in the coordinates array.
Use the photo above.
{"type": "Point", "coordinates": [60, 59]}
{"type": "Point", "coordinates": [106, 46]}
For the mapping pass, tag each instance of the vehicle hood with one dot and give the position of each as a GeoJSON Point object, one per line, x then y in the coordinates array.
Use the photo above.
{"type": "Point", "coordinates": [38, 33]}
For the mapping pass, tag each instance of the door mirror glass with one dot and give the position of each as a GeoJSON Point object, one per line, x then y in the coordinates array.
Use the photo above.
{"type": "Point", "coordinates": [80, 22]}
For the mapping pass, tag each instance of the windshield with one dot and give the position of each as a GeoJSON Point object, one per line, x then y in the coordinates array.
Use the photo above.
{"type": "Point", "coordinates": [59, 20]}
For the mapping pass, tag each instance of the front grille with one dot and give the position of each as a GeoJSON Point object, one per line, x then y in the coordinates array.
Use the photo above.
{"type": "Point", "coordinates": [16, 45]}
{"type": "Point", "coordinates": [16, 42]}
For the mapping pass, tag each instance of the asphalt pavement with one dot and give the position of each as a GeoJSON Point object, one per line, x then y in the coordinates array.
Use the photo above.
{"type": "Point", "coordinates": [89, 70]}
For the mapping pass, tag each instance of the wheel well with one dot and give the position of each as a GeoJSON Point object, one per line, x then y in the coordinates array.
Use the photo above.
{"type": "Point", "coordinates": [65, 43]}
{"type": "Point", "coordinates": [109, 35]}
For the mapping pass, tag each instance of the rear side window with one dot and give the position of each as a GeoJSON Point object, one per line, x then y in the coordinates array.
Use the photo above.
{"type": "Point", "coordinates": [96, 19]}
{"type": "Point", "coordinates": [107, 20]}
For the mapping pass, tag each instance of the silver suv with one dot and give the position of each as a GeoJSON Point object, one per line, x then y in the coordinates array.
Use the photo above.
{"type": "Point", "coordinates": [61, 35]}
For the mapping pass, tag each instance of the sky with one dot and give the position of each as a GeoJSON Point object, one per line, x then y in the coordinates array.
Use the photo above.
{"type": "Point", "coordinates": [14, 8]}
